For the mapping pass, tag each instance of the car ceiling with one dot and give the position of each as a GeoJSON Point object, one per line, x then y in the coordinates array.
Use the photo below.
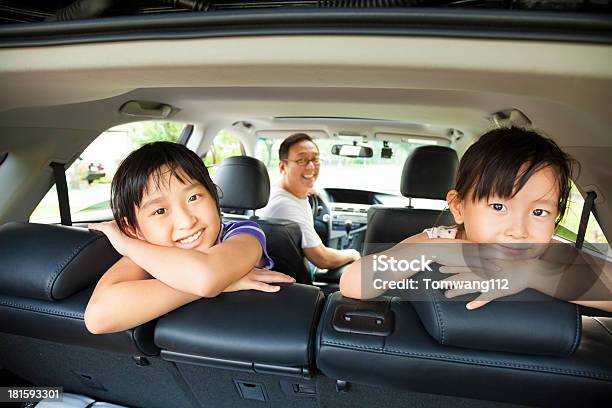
{"type": "Point", "coordinates": [423, 80]}
{"type": "Point", "coordinates": [564, 88]}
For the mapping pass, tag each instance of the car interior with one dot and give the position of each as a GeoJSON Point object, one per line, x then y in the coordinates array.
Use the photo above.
{"type": "Point", "coordinates": [431, 93]}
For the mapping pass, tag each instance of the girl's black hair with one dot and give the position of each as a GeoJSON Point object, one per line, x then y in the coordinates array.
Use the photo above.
{"type": "Point", "coordinates": [131, 179]}
{"type": "Point", "coordinates": [502, 161]}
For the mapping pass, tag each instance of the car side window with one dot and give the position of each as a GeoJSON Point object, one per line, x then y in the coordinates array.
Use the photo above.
{"type": "Point", "coordinates": [568, 227]}
{"type": "Point", "coordinates": [266, 150]}
{"type": "Point", "coordinates": [90, 175]}
{"type": "Point", "coordinates": [224, 145]}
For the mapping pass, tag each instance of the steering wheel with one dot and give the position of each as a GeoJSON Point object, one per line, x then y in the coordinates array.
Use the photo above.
{"type": "Point", "coordinates": [313, 200]}
{"type": "Point", "coordinates": [321, 216]}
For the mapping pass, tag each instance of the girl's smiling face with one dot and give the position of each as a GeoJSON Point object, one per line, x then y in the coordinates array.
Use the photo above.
{"type": "Point", "coordinates": [176, 214]}
{"type": "Point", "coordinates": [528, 217]}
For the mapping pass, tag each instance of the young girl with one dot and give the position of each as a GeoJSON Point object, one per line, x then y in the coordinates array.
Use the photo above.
{"type": "Point", "coordinates": [512, 190]}
{"type": "Point", "coordinates": [175, 248]}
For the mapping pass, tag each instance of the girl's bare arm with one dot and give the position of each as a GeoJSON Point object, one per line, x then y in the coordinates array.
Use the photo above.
{"type": "Point", "coordinates": [127, 296]}
{"type": "Point", "coordinates": [202, 273]}
{"type": "Point", "coordinates": [205, 274]}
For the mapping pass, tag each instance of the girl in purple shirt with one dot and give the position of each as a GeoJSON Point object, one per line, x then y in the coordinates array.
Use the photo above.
{"type": "Point", "coordinates": [167, 225]}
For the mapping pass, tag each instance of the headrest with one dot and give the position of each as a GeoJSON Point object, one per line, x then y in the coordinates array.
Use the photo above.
{"type": "Point", "coordinates": [244, 182]}
{"type": "Point", "coordinates": [429, 172]}
{"type": "Point", "coordinates": [528, 322]}
{"type": "Point", "coordinates": [239, 327]}
{"type": "Point", "coordinates": [51, 262]}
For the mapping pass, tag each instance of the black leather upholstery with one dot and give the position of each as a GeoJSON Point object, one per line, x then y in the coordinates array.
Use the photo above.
{"type": "Point", "coordinates": [389, 225]}
{"type": "Point", "coordinates": [246, 186]}
{"type": "Point", "coordinates": [429, 172]}
{"type": "Point", "coordinates": [251, 327]}
{"type": "Point", "coordinates": [51, 262]}
{"type": "Point", "coordinates": [62, 322]}
{"type": "Point", "coordinates": [244, 182]}
{"type": "Point", "coordinates": [284, 246]}
{"type": "Point", "coordinates": [409, 358]}
{"type": "Point", "coordinates": [528, 322]}
{"type": "Point", "coordinates": [274, 333]}
{"type": "Point", "coordinates": [47, 273]}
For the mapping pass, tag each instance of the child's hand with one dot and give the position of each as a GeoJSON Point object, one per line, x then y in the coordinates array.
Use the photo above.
{"type": "Point", "coordinates": [496, 288]}
{"type": "Point", "coordinates": [110, 228]}
{"type": "Point", "coordinates": [510, 278]}
{"type": "Point", "coordinates": [462, 256]}
{"type": "Point", "coordinates": [259, 279]}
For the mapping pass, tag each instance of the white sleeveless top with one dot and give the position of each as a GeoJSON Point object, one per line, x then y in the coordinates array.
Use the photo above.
{"type": "Point", "coordinates": [441, 232]}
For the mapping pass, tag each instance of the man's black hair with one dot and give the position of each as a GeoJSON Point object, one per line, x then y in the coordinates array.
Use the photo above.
{"type": "Point", "coordinates": [502, 161]}
{"type": "Point", "coordinates": [283, 151]}
{"type": "Point", "coordinates": [132, 177]}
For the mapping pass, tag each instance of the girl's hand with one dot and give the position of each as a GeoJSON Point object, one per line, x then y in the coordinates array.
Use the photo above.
{"type": "Point", "coordinates": [496, 288]}
{"type": "Point", "coordinates": [259, 279]}
{"type": "Point", "coordinates": [117, 238]}
{"type": "Point", "coordinates": [511, 277]}
{"type": "Point", "coordinates": [463, 255]}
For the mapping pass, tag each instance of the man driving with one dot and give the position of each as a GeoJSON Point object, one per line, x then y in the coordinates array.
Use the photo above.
{"type": "Point", "coordinates": [299, 167]}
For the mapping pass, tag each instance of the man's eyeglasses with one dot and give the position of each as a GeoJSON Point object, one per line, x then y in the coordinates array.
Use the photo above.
{"type": "Point", "coordinates": [302, 161]}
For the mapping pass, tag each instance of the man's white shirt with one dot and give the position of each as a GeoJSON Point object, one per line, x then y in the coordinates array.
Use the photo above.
{"type": "Point", "coordinates": [283, 204]}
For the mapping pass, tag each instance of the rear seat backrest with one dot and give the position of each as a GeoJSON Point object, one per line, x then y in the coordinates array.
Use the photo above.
{"type": "Point", "coordinates": [209, 347]}
{"type": "Point", "coordinates": [47, 274]}
{"type": "Point", "coordinates": [245, 185]}
{"type": "Point", "coordinates": [429, 172]}
{"type": "Point", "coordinates": [538, 371]}
{"type": "Point", "coordinates": [246, 330]}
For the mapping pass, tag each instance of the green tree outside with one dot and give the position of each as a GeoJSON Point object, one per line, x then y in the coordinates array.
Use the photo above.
{"type": "Point", "coordinates": [156, 132]}
{"type": "Point", "coordinates": [224, 145]}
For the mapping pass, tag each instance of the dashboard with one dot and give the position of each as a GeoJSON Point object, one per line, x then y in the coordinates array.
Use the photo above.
{"type": "Point", "coordinates": [340, 195]}
{"type": "Point", "coordinates": [342, 208]}
{"type": "Point", "coordinates": [351, 206]}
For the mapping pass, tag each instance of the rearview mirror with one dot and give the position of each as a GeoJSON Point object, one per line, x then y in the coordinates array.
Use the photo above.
{"type": "Point", "coordinates": [352, 151]}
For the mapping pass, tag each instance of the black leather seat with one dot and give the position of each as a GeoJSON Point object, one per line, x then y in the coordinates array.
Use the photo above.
{"type": "Point", "coordinates": [523, 352]}
{"type": "Point", "coordinates": [429, 172]}
{"type": "Point", "coordinates": [47, 274]}
{"type": "Point", "coordinates": [264, 347]}
{"type": "Point", "coordinates": [224, 351]}
{"type": "Point", "coordinates": [241, 331]}
{"type": "Point", "coordinates": [245, 185]}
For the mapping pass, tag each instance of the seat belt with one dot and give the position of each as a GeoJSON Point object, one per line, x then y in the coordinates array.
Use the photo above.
{"type": "Point", "coordinates": [584, 218]}
{"type": "Point", "coordinates": [59, 173]}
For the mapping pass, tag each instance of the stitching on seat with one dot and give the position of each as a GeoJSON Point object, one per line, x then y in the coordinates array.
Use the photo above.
{"type": "Point", "coordinates": [577, 332]}
{"type": "Point", "coordinates": [439, 317]}
{"type": "Point", "coordinates": [437, 313]}
{"type": "Point", "coordinates": [40, 309]}
{"type": "Point", "coordinates": [387, 310]}
{"type": "Point", "coordinates": [66, 261]}
{"type": "Point", "coordinates": [475, 361]}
